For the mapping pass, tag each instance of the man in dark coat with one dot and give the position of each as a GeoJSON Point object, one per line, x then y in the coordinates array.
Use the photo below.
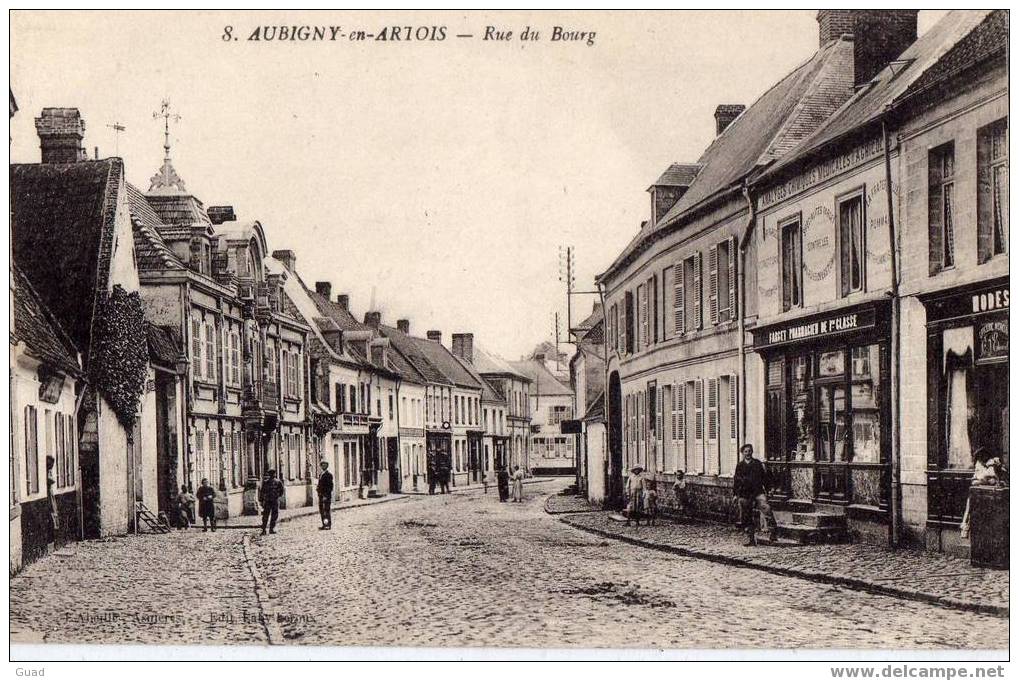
{"type": "Point", "coordinates": [750, 488]}
{"type": "Point", "coordinates": [430, 461]}
{"type": "Point", "coordinates": [445, 468]}
{"type": "Point", "coordinates": [269, 496]}
{"type": "Point", "coordinates": [502, 480]}
{"type": "Point", "coordinates": [206, 505]}
{"type": "Point", "coordinates": [325, 496]}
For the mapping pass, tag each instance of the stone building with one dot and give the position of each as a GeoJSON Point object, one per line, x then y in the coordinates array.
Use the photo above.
{"type": "Point", "coordinates": [550, 403]}
{"type": "Point", "coordinates": [587, 378]}
{"type": "Point", "coordinates": [494, 405]}
{"type": "Point", "coordinates": [513, 387]}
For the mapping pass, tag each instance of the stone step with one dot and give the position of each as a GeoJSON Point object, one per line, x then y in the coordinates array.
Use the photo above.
{"type": "Point", "coordinates": [819, 519]}
{"type": "Point", "coordinates": [809, 534]}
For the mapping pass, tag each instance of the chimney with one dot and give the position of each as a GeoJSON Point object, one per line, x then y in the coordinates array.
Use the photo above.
{"type": "Point", "coordinates": [463, 346]}
{"type": "Point", "coordinates": [539, 357]}
{"type": "Point", "coordinates": [324, 289]}
{"type": "Point", "coordinates": [60, 134]}
{"type": "Point", "coordinates": [288, 259]}
{"type": "Point", "coordinates": [435, 336]}
{"type": "Point", "coordinates": [220, 214]}
{"type": "Point", "coordinates": [403, 326]}
{"type": "Point", "coordinates": [373, 319]}
{"type": "Point", "coordinates": [725, 114]}
{"type": "Point", "coordinates": [343, 300]}
{"type": "Point", "coordinates": [879, 36]}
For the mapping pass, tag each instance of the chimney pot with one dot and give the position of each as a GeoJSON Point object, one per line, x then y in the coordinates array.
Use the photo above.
{"type": "Point", "coordinates": [725, 114]}
{"type": "Point", "coordinates": [324, 289]}
{"type": "Point", "coordinates": [343, 300]}
{"type": "Point", "coordinates": [879, 36]}
{"type": "Point", "coordinates": [403, 326]}
{"type": "Point", "coordinates": [373, 319]}
{"type": "Point", "coordinates": [288, 258]}
{"type": "Point", "coordinates": [463, 346]}
{"type": "Point", "coordinates": [60, 134]}
{"type": "Point", "coordinates": [434, 335]}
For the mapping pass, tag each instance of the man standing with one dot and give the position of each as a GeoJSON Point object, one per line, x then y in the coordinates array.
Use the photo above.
{"type": "Point", "coordinates": [750, 487]}
{"type": "Point", "coordinates": [269, 497]}
{"type": "Point", "coordinates": [431, 472]}
{"type": "Point", "coordinates": [502, 479]}
{"type": "Point", "coordinates": [325, 496]}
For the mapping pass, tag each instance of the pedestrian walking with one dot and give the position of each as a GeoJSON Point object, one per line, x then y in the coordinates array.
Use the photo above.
{"type": "Point", "coordinates": [502, 481]}
{"type": "Point", "coordinates": [634, 492]}
{"type": "Point", "coordinates": [269, 497]}
{"type": "Point", "coordinates": [51, 489]}
{"type": "Point", "coordinates": [185, 508]}
{"type": "Point", "coordinates": [484, 482]}
{"type": "Point", "coordinates": [325, 496]}
{"type": "Point", "coordinates": [518, 484]}
{"type": "Point", "coordinates": [750, 488]}
{"type": "Point", "coordinates": [206, 505]}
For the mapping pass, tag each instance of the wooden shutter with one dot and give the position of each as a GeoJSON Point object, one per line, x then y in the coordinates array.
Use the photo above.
{"type": "Point", "coordinates": [713, 284]}
{"type": "Point", "coordinates": [698, 293]}
{"type": "Point", "coordinates": [668, 302]}
{"type": "Point", "coordinates": [679, 299]}
{"type": "Point", "coordinates": [196, 348]}
{"type": "Point", "coordinates": [656, 306]}
{"type": "Point", "coordinates": [72, 460]}
{"type": "Point", "coordinates": [679, 396]}
{"type": "Point", "coordinates": [732, 277]}
{"type": "Point", "coordinates": [733, 408]}
{"type": "Point", "coordinates": [712, 409]}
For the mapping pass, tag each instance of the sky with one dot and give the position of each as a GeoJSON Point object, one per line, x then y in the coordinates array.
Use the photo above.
{"type": "Point", "coordinates": [438, 179]}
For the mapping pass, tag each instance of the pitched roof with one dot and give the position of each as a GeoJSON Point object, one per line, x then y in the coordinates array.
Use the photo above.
{"type": "Point", "coordinates": [930, 57]}
{"type": "Point", "coordinates": [411, 351]}
{"type": "Point", "coordinates": [490, 364]}
{"type": "Point", "coordinates": [165, 345]}
{"type": "Point", "coordinates": [37, 328]}
{"type": "Point", "coordinates": [596, 412]}
{"type": "Point", "coordinates": [447, 364]}
{"type": "Point", "coordinates": [488, 393]}
{"type": "Point", "coordinates": [178, 214]}
{"type": "Point", "coordinates": [544, 380]}
{"type": "Point", "coordinates": [63, 223]}
{"type": "Point", "coordinates": [678, 175]}
{"type": "Point", "coordinates": [151, 251]}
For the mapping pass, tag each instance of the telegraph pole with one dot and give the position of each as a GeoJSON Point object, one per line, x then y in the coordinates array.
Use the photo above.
{"type": "Point", "coordinates": [568, 274]}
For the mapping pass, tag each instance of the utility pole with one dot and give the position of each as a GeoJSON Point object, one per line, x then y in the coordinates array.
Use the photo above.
{"type": "Point", "coordinates": [568, 274]}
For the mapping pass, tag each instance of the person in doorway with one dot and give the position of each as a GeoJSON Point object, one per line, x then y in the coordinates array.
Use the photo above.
{"type": "Point", "coordinates": [634, 494]}
{"type": "Point", "coordinates": [502, 481]}
{"type": "Point", "coordinates": [185, 508]}
{"type": "Point", "coordinates": [750, 488]}
{"type": "Point", "coordinates": [206, 505]}
{"type": "Point", "coordinates": [51, 495]}
{"type": "Point", "coordinates": [518, 484]}
{"type": "Point", "coordinates": [325, 496]}
{"type": "Point", "coordinates": [987, 470]}
{"type": "Point", "coordinates": [269, 497]}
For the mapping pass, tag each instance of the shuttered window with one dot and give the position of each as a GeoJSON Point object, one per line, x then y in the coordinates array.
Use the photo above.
{"type": "Point", "coordinates": [713, 284]}
{"type": "Point", "coordinates": [733, 408]}
{"type": "Point", "coordinates": [31, 450]}
{"type": "Point", "coordinates": [210, 351]}
{"type": "Point", "coordinates": [940, 207]}
{"type": "Point", "coordinates": [722, 267]}
{"type": "Point", "coordinates": [992, 190]}
{"type": "Point", "coordinates": [698, 292]}
{"type": "Point", "coordinates": [197, 366]}
{"type": "Point", "coordinates": [731, 276]}
{"type": "Point", "coordinates": [712, 409]}
{"type": "Point", "coordinates": [679, 300]}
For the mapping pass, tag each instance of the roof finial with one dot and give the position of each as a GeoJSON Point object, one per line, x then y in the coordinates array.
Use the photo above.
{"type": "Point", "coordinates": [166, 181]}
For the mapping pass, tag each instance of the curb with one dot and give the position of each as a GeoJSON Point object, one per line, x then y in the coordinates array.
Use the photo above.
{"type": "Point", "coordinates": [466, 490]}
{"type": "Point", "coordinates": [307, 511]}
{"type": "Point", "coordinates": [551, 512]}
{"type": "Point", "coordinates": [272, 627]}
{"type": "Point", "coordinates": [823, 578]}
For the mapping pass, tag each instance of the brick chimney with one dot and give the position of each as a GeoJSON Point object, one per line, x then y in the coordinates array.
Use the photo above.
{"type": "Point", "coordinates": [879, 36]}
{"type": "Point", "coordinates": [434, 335]}
{"type": "Point", "coordinates": [403, 326]}
{"type": "Point", "coordinates": [220, 214]}
{"type": "Point", "coordinates": [725, 114]}
{"type": "Point", "coordinates": [60, 134]}
{"type": "Point", "coordinates": [343, 300]}
{"type": "Point", "coordinates": [288, 259]}
{"type": "Point", "coordinates": [373, 319]}
{"type": "Point", "coordinates": [463, 346]}
{"type": "Point", "coordinates": [324, 289]}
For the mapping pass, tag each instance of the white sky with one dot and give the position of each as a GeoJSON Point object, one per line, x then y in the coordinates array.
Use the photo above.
{"type": "Point", "coordinates": [444, 175]}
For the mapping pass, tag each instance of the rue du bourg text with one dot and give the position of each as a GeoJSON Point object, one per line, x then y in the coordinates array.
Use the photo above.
{"type": "Point", "coordinates": [432, 33]}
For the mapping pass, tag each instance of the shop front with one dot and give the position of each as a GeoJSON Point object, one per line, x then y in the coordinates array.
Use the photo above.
{"type": "Point", "coordinates": [967, 396]}
{"type": "Point", "coordinates": [827, 411]}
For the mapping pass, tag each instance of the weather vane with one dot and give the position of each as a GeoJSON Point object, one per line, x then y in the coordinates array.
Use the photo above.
{"type": "Point", "coordinates": [164, 113]}
{"type": "Point", "coordinates": [117, 129]}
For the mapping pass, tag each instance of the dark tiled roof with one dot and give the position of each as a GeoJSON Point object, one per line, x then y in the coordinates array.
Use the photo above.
{"type": "Point", "coordinates": [37, 328]}
{"type": "Point", "coordinates": [488, 393]}
{"type": "Point", "coordinates": [63, 222]}
{"type": "Point", "coordinates": [150, 249]}
{"type": "Point", "coordinates": [896, 80]}
{"type": "Point", "coordinates": [165, 346]}
{"type": "Point", "coordinates": [444, 360]}
{"type": "Point", "coordinates": [544, 382]}
{"type": "Point", "coordinates": [488, 364]}
{"type": "Point", "coordinates": [409, 347]}
{"type": "Point", "coordinates": [678, 175]}
{"type": "Point", "coordinates": [178, 213]}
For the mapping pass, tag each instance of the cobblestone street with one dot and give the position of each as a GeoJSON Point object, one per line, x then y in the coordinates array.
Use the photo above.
{"type": "Point", "coordinates": [458, 570]}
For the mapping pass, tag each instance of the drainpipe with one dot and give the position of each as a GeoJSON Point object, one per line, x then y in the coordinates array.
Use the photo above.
{"type": "Point", "coordinates": [741, 308]}
{"type": "Point", "coordinates": [896, 453]}
{"type": "Point", "coordinates": [607, 484]}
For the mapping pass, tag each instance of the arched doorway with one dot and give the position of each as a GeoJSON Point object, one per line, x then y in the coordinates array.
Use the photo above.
{"type": "Point", "coordinates": [615, 424]}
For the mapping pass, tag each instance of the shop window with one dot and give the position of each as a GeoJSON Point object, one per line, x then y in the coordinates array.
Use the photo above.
{"type": "Point", "coordinates": [792, 265]}
{"type": "Point", "coordinates": [865, 377]}
{"type": "Point", "coordinates": [941, 206]}
{"type": "Point", "coordinates": [851, 244]}
{"type": "Point", "coordinates": [801, 403]}
{"type": "Point", "coordinates": [992, 190]}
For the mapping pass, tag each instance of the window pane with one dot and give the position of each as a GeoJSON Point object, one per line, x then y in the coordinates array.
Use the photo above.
{"type": "Point", "coordinates": [866, 399]}
{"type": "Point", "coordinates": [831, 363]}
{"type": "Point", "coordinates": [803, 436]}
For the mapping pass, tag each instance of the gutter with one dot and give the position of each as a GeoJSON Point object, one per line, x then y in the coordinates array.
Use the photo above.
{"type": "Point", "coordinates": [741, 308]}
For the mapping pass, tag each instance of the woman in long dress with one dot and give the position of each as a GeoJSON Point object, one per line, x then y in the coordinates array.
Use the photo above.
{"type": "Point", "coordinates": [518, 484]}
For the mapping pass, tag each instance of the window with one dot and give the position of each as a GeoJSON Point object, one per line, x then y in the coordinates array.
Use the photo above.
{"type": "Point", "coordinates": [692, 294]}
{"type": "Point", "coordinates": [627, 331]}
{"type": "Point", "coordinates": [851, 244]}
{"type": "Point", "coordinates": [722, 285]}
{"type": "Point", "coordinates": [31, 450]}
{"type": "Point", "coordinates": [733, 408]}
{"type": "Point", "coordinates": [210, 351]}
{"type": "Point", "coordinates": [235, 358]}
{"type": "Point", "coordinates": [200, 465]}
{"type": "Point", "coordinates": [792, 264]}
{"type": "Point", "coordinates": [270, 363]}
{"type": "Point", "coordinates": [940, 207]}
{"type": "Point", "coordinates": [352, 406]}
{"type": "Point", "coordinates": [992, 190]}
{"type": "Point", "coordinates": [679, 299]}
{"type": "Point", "coordinates": [559, 413]}
{"type": "Point", "coordinates": [712, 409]}
{"type": "Point", "coordinates": [642, 337]}
{"type": "Point", "coordinates": [197, 367]}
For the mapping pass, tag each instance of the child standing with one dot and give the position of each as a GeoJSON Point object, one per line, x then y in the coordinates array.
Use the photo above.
{"type": "Point", "coordinates": [185, 508]}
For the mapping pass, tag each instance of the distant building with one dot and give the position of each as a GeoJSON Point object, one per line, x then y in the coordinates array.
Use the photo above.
{"type": "Point", "coordinates": [551, 403]}
{"type": "Point", "coordinates": [587, 378]}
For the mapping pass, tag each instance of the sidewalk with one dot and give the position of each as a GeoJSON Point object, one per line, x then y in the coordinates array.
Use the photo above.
{"type": "Point", "coordinates": [908, 574]}
{"type": "Point", "coordinates": [477, 486]}
{"type": "Point", "coordinates": [255, 521]}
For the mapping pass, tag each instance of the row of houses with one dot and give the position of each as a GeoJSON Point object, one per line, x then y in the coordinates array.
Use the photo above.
{"type": "Point", "coordinates": [828, 282]}
{"type": "Point", "coordinates": [157, 341]}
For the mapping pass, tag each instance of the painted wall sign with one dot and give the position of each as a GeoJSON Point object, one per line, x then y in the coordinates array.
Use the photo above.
{"type": "Point", "coordinates": [989, 299]}
{"type": "Point", "coordinates": [822, 171]}
{"type": "Point", "coordinates": [829, 325]}
{"type": "Point", "coordinates": [992, 340]}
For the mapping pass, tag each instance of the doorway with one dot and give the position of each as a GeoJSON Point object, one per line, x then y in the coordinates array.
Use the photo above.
{"type": "Point", "coordinates": [393, 459]}
{"type": "Point", "coordinates": [615, 476]}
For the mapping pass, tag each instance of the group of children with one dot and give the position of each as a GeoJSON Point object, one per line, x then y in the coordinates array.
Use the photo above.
{"type": "Point", "coordinates": [642, 495]}
{"type": "Point", "coordinates": [205, 496]}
